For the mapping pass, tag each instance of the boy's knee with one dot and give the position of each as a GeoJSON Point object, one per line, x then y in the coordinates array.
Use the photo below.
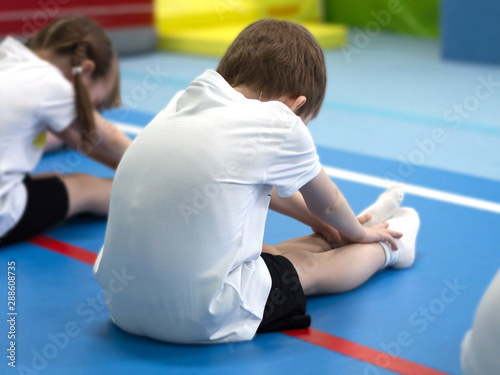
{"type": "Point", "coordinates": [322, 242]}
{"type": "Point", "coordinates": [270, 249]}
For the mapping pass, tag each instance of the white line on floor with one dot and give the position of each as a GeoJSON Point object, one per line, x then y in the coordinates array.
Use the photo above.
{"type": "Point", "coordinates": [420, 191]}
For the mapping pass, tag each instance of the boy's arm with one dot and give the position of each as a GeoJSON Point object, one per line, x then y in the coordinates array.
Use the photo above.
{"type": "Point", "coordinates": [326, 202]}
{"type": "Point", "coordinates": [107, 143]}
{"type": "Point", "coordinates": [296, 208]}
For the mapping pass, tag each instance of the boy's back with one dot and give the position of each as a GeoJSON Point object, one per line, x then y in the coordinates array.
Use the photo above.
{"type": "Point", "coordinates": [188, 211]}
{"type": "Point", "coordinates": [183, 259]}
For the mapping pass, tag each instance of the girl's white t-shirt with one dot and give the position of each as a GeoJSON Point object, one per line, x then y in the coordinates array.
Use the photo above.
{"type": "Point", "coordinates": [34, 96]}
{"type": "Point", "coordinates": [181, 258]}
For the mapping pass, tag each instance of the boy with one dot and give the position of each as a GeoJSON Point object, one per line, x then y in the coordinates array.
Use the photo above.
{"type": "Point", "coordinates": [191, 195]}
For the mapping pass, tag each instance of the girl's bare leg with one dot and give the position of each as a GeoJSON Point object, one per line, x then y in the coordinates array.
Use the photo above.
{"type": "Point", "coordinates": [86, 193]}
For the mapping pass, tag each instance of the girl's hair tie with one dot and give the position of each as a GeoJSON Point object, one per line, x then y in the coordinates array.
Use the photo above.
{"type": "Point", "coordinates": [77, 70]}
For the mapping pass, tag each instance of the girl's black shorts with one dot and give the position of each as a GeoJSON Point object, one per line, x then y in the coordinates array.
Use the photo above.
{"type": "Point", "coordinates": [47, 205]}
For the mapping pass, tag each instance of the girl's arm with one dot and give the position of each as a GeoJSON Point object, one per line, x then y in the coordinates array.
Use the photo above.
{"type": "Point", "coordinates": [106, 144]}
{"type": "Point", "coordinates": [53, 142]}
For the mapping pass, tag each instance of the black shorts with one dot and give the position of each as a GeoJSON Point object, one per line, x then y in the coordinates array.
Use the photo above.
{"type": "Point", "coordinates": [47, 205]}
{"type": "Point", "coordinates": [286, 304]}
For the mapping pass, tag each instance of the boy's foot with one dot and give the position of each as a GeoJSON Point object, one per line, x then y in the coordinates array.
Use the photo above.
{"type": "Point", "coordinates": [385, 207]}
{"type": "Point", "coordinates": [406, 221]}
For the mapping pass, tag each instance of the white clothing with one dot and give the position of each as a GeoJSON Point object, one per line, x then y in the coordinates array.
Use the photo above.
{"type": "Point", "coordinates": [481, 345]}
{"type": "Point", "coordinates": [188, 209]}
{"type": "Point", "coordinates": [34, 95]}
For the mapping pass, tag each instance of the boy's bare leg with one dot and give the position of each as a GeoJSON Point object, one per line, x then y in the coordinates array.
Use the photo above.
{"type": "Point", "coordinates": [382, 209]}
{"type": "Point", "coordinates": [312, 243]}
{"type": "Point", "coordinates": [349, 266]}
{"type": "Point", "coordinates": [335, 271]}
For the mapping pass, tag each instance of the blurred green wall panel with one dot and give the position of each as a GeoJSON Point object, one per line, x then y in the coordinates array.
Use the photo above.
{"type": "Point", "coordinates": [418, 17]}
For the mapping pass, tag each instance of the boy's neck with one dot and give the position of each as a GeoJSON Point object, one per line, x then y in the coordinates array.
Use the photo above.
{"type": "Point", "coordinates": [293, 104]}
{"type": "Point", "coordinates": [248, 93]}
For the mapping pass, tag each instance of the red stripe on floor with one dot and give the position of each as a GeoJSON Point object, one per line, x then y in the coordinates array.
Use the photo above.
{"type": "Point", "coordinates": [64, 248]}
{"type": "Point", "coordinates": [362, 353]}
{"type": "Point", "coordinates": [310, 335]}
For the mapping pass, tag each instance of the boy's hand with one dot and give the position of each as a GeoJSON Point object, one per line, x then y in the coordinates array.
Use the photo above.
{"type": "Point", "coordinates": [364, 218]}
{"type": "Point", "coordinates": [381, 233]}
{"type": "Point", "coordinates": [333, 236]}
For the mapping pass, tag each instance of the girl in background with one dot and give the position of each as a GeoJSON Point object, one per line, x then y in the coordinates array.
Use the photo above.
{"type": "Point", "coordinates": [57, 81]}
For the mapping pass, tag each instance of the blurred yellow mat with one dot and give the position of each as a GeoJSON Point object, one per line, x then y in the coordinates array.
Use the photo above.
{"type": "Point", "coordinates": [208, 28]}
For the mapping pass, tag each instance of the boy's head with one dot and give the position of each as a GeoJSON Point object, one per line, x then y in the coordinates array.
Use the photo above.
{"type": "Point", "coordinates": [277, 58]}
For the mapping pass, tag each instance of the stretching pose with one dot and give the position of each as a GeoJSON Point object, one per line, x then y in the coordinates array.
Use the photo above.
{"type": "Point", "coordinates": [192, 192]}
{"type": "Point", "coordinates": [57, 81]}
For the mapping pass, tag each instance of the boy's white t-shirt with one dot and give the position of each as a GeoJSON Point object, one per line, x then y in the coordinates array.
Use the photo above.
{"type": "Point", "coordinates": [34, 96]}
{"type": "Point", "coordinates": [181, 258]}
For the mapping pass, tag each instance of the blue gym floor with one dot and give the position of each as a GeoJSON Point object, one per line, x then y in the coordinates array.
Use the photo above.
{"type": "Point", "coordinates": [382, 108]}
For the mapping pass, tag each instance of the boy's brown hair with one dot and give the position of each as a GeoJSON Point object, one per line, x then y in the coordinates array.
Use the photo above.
{"type": "Point", "coordinates": [277, 58]}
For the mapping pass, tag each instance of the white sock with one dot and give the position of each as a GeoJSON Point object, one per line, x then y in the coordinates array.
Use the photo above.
{"type": "Point", "coordinates": [385, 207]}
{"type": "Point", "coordinates": [406, 221]}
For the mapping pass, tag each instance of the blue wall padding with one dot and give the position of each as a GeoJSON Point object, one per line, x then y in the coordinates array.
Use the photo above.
{"type": "Point", "coordinates": [470, 30]}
